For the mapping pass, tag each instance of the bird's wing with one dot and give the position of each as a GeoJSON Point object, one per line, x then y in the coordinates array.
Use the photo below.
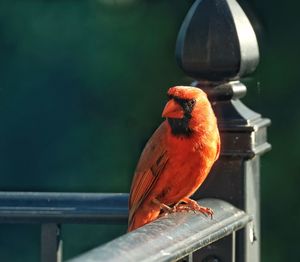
{"type": "Point", "coordinates": [152, 162]}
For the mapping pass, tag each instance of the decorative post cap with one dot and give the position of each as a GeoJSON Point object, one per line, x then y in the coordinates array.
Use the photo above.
{"type": "Point", "coordinates": [216, 42]}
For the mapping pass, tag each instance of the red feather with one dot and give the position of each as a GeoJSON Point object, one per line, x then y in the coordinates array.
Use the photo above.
{"type": "Point", "coordinates": [174, 163]}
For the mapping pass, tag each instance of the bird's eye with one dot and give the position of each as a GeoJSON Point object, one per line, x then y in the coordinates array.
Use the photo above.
{"type": "Point", "coordinates": [192, 102]}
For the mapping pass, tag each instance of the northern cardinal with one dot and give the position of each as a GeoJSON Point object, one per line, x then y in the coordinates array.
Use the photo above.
{"type": "Point", "coordinates": [177, 158]}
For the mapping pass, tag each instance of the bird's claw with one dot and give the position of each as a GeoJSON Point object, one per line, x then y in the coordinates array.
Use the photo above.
{"type": "Point", "coordinates": [188, 205]}
{"type": "Point", "coordinates": [193, 206]}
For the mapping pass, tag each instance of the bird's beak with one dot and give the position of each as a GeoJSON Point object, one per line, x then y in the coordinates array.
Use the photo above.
{"type": "Point", "coordinates": [173, 110]}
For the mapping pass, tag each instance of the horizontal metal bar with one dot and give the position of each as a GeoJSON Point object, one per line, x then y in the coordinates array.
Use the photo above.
{"type": "Point", "coordinates": [172, 237]}
{"type": "Point", "coordinates": [28, 207]}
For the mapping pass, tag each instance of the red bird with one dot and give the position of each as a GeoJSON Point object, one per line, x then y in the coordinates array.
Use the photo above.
{"type": "Point", "coordinates": [177, 158]}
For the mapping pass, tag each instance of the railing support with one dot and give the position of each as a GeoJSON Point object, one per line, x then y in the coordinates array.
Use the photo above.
{"type": "Point", "coordinates": [217, 46]}
{"type": "Point", "coordinates": [51, 243]}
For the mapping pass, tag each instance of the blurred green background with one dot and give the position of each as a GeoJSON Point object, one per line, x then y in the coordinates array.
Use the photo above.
{"type": "Point", "coordinates": [82, 86]}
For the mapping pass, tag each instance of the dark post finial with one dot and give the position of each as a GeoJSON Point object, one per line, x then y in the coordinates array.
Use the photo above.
{"type": "Point", "coordinates": [216, 42]}
{"type": "Point", "coordinates": [216, 46]}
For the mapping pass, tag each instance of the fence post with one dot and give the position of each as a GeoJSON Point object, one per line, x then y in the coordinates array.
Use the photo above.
{"type": "Point", "coordinates": [51, 243]}
{"type": "Point", "coordinates": [217, 46]}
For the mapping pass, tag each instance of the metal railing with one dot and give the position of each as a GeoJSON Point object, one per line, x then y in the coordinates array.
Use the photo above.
{"type": "Point", "coordinates": [167, 239]}
{"type": "Point", "coordinates": [174, 237]}
{"type": "Point", "coordinates": [62, 208]}
{"type": "Point", "coordinates": [216, 43]}
{"type": "Point", "coordinates": [51, 210]}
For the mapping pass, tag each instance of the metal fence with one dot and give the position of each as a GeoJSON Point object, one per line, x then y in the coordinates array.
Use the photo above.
{"type": "Point", "coordinates": [216, 43]}
{"type": "Point", "coordinates": [51, 210]}
{"type": "Point", "coordinates": [169, 238]}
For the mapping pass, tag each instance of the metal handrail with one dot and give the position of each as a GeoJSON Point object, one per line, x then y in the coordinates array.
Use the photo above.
{"type": "Point", "coordinates": [171, 237]}
{"type": "Point", "coordinates": [63, 208]}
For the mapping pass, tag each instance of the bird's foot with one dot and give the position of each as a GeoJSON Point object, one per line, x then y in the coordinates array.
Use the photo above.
{"type": "Point", "coordinates": [192, 205]}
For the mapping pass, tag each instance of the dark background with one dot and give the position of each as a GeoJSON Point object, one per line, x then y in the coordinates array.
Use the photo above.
{"type": "Point", "coordinates": [82, 86]}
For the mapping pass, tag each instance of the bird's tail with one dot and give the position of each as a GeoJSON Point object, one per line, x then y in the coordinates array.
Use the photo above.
{"type": "Point", "coordinates": [141, 217]}
{"type": "Point", "coordinates": [136, 221]}
{"type": "Point", "coordinates": [131, 225]}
